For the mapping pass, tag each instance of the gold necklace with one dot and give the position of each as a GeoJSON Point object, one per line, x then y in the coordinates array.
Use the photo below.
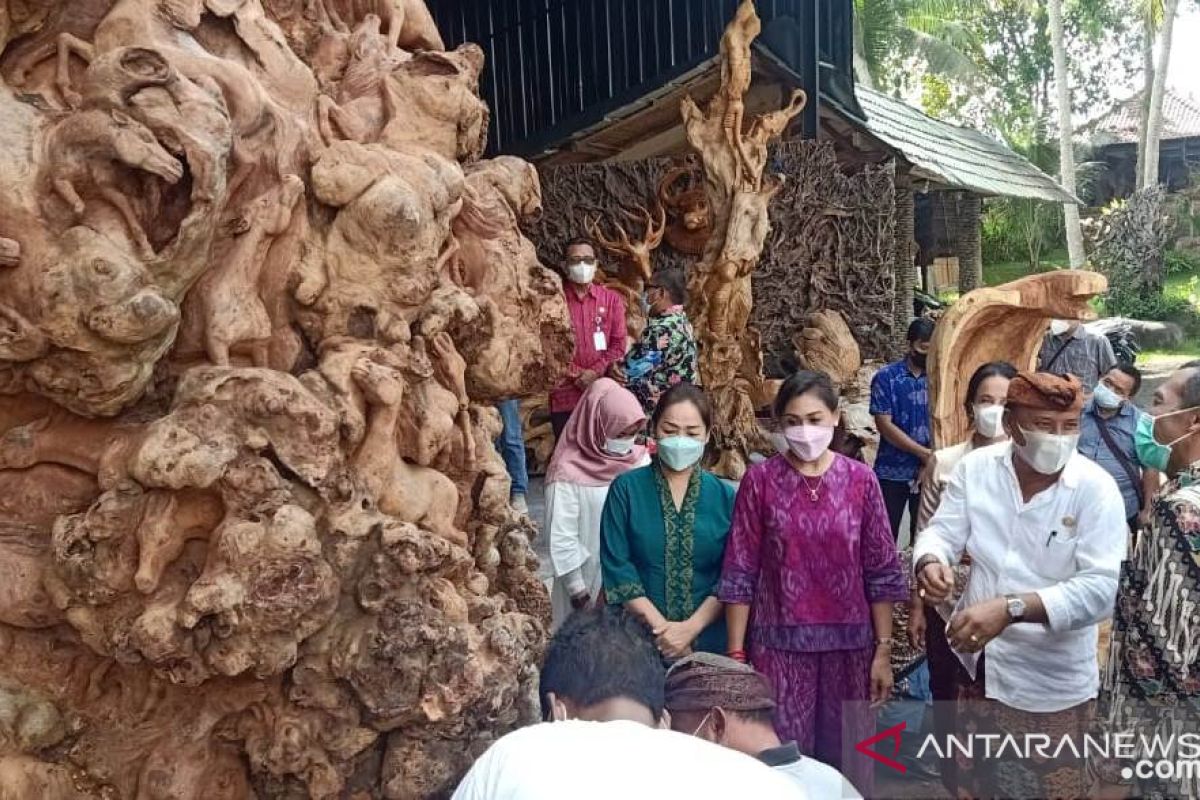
{"type": "Point", "coordinates": [813, 491]}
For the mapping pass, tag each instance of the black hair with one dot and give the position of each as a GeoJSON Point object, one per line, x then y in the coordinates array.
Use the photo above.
{"type": "Point", "coordinates": [1189, 396]}
{"type": "Point", "coordinates": [579, 241]}
{"type": "Point", "coordinates": [763, 716]}
{"type": "Point", "coordinates": [600, 654]}
{"type": "Point", "coordinates": [802, 383]}
{"type": "Point", "coordinates": [1133, 372]}
{"type": "Point", "coordinates": [920, 329]}
{"type": "Point", "coordinates": [683, 393]}
{"type": "Point", "coordinates": [673, 282]}
{"type": "Point", "coordinates": [992, 369]}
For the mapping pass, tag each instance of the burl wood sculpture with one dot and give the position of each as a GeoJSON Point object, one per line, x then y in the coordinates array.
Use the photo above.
{"type": "Point", "coordinates": [734, 157]}
{"type": "Point", "coordinates": [1004, 323]}
{"type": "Point", "coordinates": [258, 296]}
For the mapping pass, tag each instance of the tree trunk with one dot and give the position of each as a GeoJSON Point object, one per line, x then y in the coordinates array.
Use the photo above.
{"type": "Point", "coordinates": [1066, 132]}
{"type": "Point", "coordinates": [968, 242]}
{"type": "Point", "coordinates": [903, 266]}
{"type": "Point", "coordinates": [1147, 91]}
{"type": "Point", "coordinates": [1155, 123]}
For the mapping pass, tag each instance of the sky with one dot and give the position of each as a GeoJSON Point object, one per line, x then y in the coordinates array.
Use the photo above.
{"type": "Point", "coordinates": [1184, 73]}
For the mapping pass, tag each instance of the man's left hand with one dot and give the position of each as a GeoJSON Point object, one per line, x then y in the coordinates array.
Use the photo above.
{"type": "Point", "coordinates": [973, 627]}
{"type": "Point", "coordinates": [586, 378]}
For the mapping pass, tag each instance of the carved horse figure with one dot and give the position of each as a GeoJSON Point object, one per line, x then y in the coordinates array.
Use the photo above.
{"type": "Point", "coordinates": [82, 152]}
{"type": "Point", "coordinates": [229, 297]}
{"type": "Point", "coordinates": [165, 26]}
{"type": "Point", "coordinates": [408, 22]}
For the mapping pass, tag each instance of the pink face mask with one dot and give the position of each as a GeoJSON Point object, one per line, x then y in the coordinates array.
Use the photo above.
{"type": "Point", "coordinates": [808, 442]}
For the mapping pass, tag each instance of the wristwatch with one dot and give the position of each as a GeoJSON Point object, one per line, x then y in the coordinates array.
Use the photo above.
{"type": "Point", "coordinates": [1016, 607]}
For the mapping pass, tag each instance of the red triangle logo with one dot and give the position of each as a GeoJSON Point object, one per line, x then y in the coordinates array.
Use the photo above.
{"type": "Point", "coordinates": [892, 733]}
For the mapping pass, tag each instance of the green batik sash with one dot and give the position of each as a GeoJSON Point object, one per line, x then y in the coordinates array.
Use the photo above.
{"type": "Point", "coordinates": [679, 544]}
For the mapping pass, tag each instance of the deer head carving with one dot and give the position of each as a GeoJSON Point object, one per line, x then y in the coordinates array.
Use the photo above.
{"type": "Point", "coordinates": [638, 252]}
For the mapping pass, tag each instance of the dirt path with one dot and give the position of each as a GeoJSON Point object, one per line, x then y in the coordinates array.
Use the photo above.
{"type": "Point", "coordinates": [1155, 371]}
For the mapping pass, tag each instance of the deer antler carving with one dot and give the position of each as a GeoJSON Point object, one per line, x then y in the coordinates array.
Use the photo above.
{"type": "Point", "coordinates": [636, 253]}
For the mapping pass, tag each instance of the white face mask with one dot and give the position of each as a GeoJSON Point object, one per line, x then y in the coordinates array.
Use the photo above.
{"type": "Point", "coordinates": [989, 421]}
{"type": "Point", "coordinates": [579, 272]}
{"type": "Point", "coordinates": [1059, 326]}
{"type": "Point", "coordinates": [620, 447]}
{"type": "Point", "coordinates": [1047, 453]}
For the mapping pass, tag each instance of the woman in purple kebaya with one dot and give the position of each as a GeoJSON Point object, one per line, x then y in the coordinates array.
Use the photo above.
{"type": "Point", "coordinates": [810, 577]}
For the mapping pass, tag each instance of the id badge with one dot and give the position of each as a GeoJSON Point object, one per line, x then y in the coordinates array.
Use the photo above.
{"type": "Point", "coordinates": [599, 341]}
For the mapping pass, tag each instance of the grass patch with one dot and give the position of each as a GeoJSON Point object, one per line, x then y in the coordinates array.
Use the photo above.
{"type": "Point", "coordinates": [1000, 272]}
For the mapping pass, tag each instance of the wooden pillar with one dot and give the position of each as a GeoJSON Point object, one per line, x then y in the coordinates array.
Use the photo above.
{"type": "Point", "coordinates": [968, 241]}
{"type": "Point", "coordinates": [903, 262]}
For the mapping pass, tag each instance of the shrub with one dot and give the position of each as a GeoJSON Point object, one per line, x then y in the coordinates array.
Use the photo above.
{"type": "Point", "coordinates": [1181, 262]}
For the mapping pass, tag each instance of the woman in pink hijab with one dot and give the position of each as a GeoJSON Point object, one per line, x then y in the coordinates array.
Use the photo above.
{"type": "Point", "coordinates": [598, 444]}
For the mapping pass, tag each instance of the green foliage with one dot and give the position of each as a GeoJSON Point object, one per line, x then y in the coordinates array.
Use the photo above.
{"type": "Point", "coordinates": [888, 33]}
{"type": "Point", "coordinates": [1156, 306]}
{"type": "Point", "coordinates": [1181, 262]}
{"type": "Point", "coordinates": [1130, 240]}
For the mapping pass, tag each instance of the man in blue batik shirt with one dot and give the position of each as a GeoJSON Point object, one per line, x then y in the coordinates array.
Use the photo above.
{"type": "Point", "coordinates": [900, 405]}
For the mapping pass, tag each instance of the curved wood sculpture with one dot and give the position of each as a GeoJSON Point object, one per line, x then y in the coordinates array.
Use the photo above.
{"type": "Point", "coordinates": [826, 344]}
{"type": "Point", "coordinates": [256, 537]}
{"type": "Point", "coordinates": [1004, 323]}
{"type": "Point", "coordinates": [738, 193]}
{"type": "Point", "coordinates": [634, 260]}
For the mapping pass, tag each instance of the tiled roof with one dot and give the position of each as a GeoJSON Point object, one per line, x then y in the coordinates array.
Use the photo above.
{"type": "Point", "coordinates": [1181, 120]}
{"type": "Point", "coordinates": [953, 155]}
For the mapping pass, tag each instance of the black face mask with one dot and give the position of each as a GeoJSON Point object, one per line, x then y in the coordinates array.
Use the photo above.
{"type": "Point", "coordinates": [919, 359]}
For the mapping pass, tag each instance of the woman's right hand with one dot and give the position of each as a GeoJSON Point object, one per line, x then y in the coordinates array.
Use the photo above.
{"type": "Point", "coordinates": [674, 639]}
{"type": "Point", "coordinates": [916, 621]}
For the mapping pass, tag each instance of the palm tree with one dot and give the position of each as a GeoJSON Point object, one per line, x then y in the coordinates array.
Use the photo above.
{"type": "Point", "coordinates": [1154, 121]}
{"type": "Point", "coordinates": [886, 31]}
{"type": "Point", "coordinates": [1151, 13]}
{"type": "Point", "coordinates": [1066, 154]}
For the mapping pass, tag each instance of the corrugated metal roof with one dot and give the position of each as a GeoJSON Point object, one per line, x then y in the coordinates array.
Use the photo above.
{"type": "Point", "coordinates": [1181, 120]}
{"type": "Point", "coordinates": [953, 155]}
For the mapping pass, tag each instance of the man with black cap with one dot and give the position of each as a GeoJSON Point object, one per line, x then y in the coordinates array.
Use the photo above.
{"type": "Point", "coordinates": [1045, 530]}
{"type": "Point", "coordinates": [731, 704]}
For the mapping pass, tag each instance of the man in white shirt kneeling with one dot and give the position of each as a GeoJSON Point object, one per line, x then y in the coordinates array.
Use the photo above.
{"type": "Point", "coordinates": [730, 703]}
{"type": "Point", "coordinates": [603, 688]}
{"type": "Point", "coordinates": [1045, 531]}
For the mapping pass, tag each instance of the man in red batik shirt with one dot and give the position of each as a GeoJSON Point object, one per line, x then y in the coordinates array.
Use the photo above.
{"type": "Point", "coordinates": [598, 320]}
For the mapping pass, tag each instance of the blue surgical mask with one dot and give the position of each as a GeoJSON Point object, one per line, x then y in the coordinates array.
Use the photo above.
{"type": "Point", "coordinates": [1106, 398]}
{"type": "Point", "coordinates": [680, 452]}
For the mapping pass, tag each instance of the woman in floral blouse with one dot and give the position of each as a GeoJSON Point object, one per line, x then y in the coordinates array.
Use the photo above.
{"type": "Point", "coordinates": [666, 354]}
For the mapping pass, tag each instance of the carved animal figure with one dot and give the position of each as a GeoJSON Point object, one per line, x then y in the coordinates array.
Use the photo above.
{"type": "Point", "coordinates": [407, 492]}
{"type": "Point", "coordinates": [362, 106]}
{"type": "Point", "coordinates": [228, 294]}
{"type": "Point", "coordinates": [635, 254]}
{"type": "Point", "coordinates": [691, 219]}
{"type": "Point", "coordinates": [83, 151]}
{"type": "Point", "coordinates": [165, 25]}
{"type": "Point", "coordinates": [408, 22]}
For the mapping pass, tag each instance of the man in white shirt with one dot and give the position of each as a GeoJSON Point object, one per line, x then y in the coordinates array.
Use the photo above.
{"type": "Point", "coordinates": [730, 703]}
{"type": "Point", "coordinates": [1045, 530]}
{"type": "Point", "coordinates": [602, 685]}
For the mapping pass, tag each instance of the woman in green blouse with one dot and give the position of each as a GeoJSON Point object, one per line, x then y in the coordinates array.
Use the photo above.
{"type": "Point", "coordinates": [662, 533]}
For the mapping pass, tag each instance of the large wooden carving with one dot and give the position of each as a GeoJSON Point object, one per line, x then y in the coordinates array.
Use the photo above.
{"type": "Point", "coordinates": [734, 159]}
{"type": "Point", "coordinates": [1004, 323]}
{"type": "Point", "coordinates": [259, 294]}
